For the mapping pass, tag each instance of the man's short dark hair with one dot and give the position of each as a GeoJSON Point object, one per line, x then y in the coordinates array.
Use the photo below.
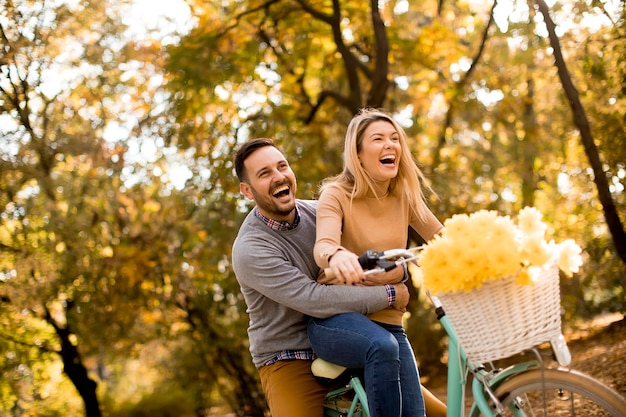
{"type": "Point", "coordinates": [244, 151]}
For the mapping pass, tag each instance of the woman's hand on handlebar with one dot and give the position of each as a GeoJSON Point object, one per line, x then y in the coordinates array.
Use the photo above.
{"type": "Point", "coordinates": [345, 267]}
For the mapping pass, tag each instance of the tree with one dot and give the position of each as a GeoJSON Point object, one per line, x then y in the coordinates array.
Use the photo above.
{"type": "Point", "coordinates": [582, 123]}
{"type": "Point", "coordinates": [57, 173]}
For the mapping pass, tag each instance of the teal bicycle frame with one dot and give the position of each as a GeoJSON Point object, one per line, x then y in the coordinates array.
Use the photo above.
{"type": "Point", "coordinates": [358, 407]}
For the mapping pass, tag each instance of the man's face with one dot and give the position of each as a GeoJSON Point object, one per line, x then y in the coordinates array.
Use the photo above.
{"type": "Point", "coordinates": [271, 184]}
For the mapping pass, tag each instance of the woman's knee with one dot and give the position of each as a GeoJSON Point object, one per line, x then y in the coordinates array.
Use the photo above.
{"type": "Point", "coordinates": [385, 346]}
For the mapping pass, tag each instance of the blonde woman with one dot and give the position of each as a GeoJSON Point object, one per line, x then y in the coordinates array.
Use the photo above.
{"type": "Point", "coordinates": [371, 205]}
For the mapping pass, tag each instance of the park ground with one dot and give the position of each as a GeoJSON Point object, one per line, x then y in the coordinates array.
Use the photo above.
{"type": "Point", "coordinates": [599, 349]}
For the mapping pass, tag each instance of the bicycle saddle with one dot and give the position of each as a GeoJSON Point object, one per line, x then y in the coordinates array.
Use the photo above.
{"type": "Point", "coordinates": [326, 370]}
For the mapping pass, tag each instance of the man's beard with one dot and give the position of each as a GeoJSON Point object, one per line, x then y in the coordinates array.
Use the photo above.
{"type": "Point", "coordinates": [268, 205]}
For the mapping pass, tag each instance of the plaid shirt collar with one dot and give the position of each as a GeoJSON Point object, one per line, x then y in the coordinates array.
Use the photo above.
{"type": "Point", "coordinates": [277, 225]}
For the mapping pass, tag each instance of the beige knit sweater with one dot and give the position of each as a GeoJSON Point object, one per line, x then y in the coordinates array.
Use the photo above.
{"type": "Point", "coordinates": [363, 224]}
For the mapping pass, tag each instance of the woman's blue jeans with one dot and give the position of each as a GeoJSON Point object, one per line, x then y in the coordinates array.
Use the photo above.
{"type": "Point", "coordinates": [391, 377]}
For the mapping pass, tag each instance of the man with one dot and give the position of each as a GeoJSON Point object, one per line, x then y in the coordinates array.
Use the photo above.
{"type": "Point", "coordinates": [273, 262]}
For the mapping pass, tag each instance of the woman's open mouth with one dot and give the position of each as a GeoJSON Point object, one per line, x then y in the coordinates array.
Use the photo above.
{"type": "Point", "coordinates": [388, 160]}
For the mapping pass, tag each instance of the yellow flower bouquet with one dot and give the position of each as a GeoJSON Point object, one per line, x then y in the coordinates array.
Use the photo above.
{"type": "Point", "coordinates": [484, 246]}
{"type": "Point", "coordinates": [498, 281]}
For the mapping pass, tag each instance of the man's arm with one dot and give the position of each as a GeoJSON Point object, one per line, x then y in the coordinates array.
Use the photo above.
{"type": "Point", "coordinates": [264, 269]}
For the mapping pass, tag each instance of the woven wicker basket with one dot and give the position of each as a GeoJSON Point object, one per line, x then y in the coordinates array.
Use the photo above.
{"type": "Point", "coordinates": [502, 318]}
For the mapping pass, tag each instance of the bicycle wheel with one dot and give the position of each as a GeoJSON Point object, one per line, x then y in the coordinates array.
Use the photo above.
{"type": "Point", "coordinates": [558, 392]}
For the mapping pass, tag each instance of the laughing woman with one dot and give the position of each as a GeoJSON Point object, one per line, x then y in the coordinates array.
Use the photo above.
{"type": "Point", "coordinates": [371, 205]}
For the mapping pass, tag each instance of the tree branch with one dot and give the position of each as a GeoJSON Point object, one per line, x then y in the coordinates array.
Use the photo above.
{"type": "Point", "coordinates": [458, 88]}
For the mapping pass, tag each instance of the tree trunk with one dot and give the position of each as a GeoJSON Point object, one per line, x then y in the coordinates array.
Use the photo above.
{"type": "Point", "coordinates": [582, 123]}
{"type": "Point", "coordinates": [529, 148]}
{"type": "Point", "coordinates": [379, 78]}
{"type": "Point", "coordinates": [75, 370]}
{"type": "Point", "coordinates": [245, 398]}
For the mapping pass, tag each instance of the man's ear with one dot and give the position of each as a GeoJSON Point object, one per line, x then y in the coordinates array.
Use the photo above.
{"type": "Point", "coordinates": [245, 190]}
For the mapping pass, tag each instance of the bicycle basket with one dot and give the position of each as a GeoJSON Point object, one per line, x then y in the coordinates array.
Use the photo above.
{"type": "Point", "coordinates": [503, 318]}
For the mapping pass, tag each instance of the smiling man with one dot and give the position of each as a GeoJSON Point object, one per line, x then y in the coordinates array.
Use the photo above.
{"type": "Point", "coordinates": [273, 261]}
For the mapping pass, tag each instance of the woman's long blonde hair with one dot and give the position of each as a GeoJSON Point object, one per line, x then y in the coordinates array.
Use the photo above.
{"type": "Point", "coordinates": [356, 182]}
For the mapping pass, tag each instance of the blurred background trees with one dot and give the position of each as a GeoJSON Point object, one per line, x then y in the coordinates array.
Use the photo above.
{"type": "Point", "coordinates": [119, 202]}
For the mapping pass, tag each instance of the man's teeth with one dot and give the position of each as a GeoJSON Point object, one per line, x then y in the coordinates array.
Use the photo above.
{"type": "Point", "coordinates": [281, 191]}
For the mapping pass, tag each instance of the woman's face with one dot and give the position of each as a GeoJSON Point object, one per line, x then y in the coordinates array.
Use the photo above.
{"type": "Point", "coordinates": [380, 151]}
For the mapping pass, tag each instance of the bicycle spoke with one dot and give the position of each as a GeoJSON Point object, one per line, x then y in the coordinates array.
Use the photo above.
{"type": "Point", "coordinates": [559, 393]}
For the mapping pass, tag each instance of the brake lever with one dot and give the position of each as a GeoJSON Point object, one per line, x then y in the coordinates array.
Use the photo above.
{"type": "Point", "coordinates": [369, 259]}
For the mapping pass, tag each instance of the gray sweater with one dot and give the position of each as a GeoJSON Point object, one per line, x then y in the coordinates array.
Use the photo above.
{"type": "Point", "coordinates": [277, 272]}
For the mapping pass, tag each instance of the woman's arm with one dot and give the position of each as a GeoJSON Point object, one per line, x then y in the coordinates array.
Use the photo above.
{"type": "Point", "coordinates": [427, 227]}
{"type": "Point", "coordinates": [328, 252]}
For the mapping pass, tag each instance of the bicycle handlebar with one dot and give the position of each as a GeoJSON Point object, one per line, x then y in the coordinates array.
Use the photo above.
{"type": "Point", "coordinates": [374, 262]}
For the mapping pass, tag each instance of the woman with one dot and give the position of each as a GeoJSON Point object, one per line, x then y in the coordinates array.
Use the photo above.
{"type": "Point", "coordinates": [371, 205]}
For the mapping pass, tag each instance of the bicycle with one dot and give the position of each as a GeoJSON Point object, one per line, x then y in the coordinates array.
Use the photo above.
{"type": "Point", "coordinates": [524, 388]}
